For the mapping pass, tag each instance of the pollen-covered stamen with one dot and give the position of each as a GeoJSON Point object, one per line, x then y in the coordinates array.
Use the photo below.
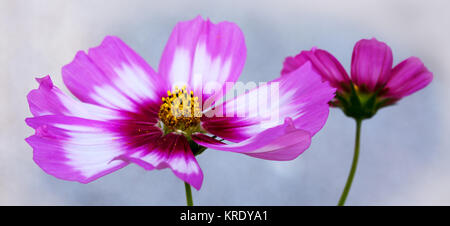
{"type": "Point", "coordinates": [180, 110]}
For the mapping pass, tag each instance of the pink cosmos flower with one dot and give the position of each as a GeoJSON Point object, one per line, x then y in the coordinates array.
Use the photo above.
{"type": "Point", "coordinates": [127, 115]}
{"type": "Point", "coordinates": [374, 83]}
{"type": "Point", "coordinates": [371, 73]}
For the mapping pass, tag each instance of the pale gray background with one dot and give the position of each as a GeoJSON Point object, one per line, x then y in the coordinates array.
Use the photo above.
{"type": "Point", "coordinates": [405, 149]}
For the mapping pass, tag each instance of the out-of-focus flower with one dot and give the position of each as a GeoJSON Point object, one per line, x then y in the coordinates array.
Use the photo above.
{"type": "Point", "coordinates": [374, 83]}
{"type": "Point", "coordinates": [131, 114]}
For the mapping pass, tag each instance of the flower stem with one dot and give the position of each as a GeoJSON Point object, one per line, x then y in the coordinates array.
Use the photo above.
{"type": "Point", "coordinates": [348, 184]}
{"type": "Point", "coordinates": [188, 194]}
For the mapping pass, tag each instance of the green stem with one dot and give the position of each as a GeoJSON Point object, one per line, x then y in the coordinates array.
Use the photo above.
{"type": "Point", "coordinates": [348, 184]}
{"type": "Point", "coordinates": [188, 194]}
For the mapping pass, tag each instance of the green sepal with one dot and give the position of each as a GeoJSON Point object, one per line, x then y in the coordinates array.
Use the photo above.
{"type": "Point", "coordinates": [195, 148]}
{"type": "Point", "coordinates": [359, 103]}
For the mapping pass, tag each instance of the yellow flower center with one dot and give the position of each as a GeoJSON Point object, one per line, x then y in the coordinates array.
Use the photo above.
{"type": "Point", "coordinates": [180, 111]}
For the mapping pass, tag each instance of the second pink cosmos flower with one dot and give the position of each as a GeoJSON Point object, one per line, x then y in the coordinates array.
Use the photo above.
{"type": "Point", "coordinates": [127, 114]}
{"type": "Point", "coordinates": [374, 84]}
{"type": "Point", "coordinates": [372, 75]}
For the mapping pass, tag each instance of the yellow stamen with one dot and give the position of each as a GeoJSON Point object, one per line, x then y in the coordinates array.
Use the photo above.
{"type": "Point", "coordinates": [179, 110]}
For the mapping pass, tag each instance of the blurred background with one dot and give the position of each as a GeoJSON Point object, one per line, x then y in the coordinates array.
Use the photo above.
{"type": "Point", "coordinates": [405, 152]}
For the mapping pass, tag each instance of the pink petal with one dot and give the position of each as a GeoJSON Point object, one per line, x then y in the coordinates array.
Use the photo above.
{"type": "Point", "coordinates": [173, 151]}
{"type": "Point", "coordinates": [303, 96]}
{"type": "Point", "coordinates": [49, 100]}
{"type": "Point", "coordinates": [74, 149]}
{"type": "Point", "coordinates": [291, 64]}
{"type": "Point", "coordinates": [408, 77]}
{"type": "Point", "coordinates": [114, 76]}
{"type": "Point", "coordinates": [371, 64]}
{"type": "Point", "coordinates": [67, 130]}
{"type": "Point", "coordinates": [283, 142]}
{"type": "Point", "coordinates": [201, 54]}
{"type": "Point", "coordinates": [327, 65]}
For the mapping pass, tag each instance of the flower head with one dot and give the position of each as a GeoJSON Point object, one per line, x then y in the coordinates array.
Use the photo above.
{"type": "Point", "coordinates": [374, 83]}
{"type": "Point", "coordinates": [129, 113]}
